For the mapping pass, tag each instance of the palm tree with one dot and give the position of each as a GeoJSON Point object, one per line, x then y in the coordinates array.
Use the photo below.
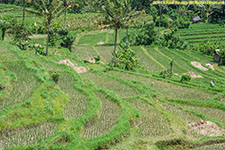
{"type": "Point", "coordinates": [67, 4]}
{"type": "Point", "coordinates": [118, 13]}
{"type": "Point", "coordinates": [50, 9]}
{"type": "Point", "coordinates": [129, 14]}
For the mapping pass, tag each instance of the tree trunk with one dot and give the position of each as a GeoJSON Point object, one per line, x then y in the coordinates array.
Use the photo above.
{"type": "Point", "coordinates": [127, 34]}
{"type": "Point", "coordinates": [65, 19]}
{"type": "Point", "coordinates": [160, 18]}
{"type": "Point", "coordinates": [3, 35]}
{"type": "Point", "coordinates": [115, 44]}
{"type": "Point", "coordinates": [48, 39]}
{"type": "Point", "coordinates": [114, 51]}
{"type": "Point", "coordinates": [24, 5]}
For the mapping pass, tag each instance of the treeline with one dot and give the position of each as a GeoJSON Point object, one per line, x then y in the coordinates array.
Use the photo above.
{"type": "Point", "coordinates": [87, 5]}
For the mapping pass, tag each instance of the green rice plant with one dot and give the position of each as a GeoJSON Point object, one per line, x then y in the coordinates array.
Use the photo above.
{"type": "Point", "coordinates": [92, 39]}
{"type": "Point", "coordinates": [145, 61]}
{"type": "Point", "coordinates": [78, 103]}
{"type": "Point", "coordinates": [152, 123]}
{"type": "Point", "coordinates": [84, 52]}
{"type": "Point", "coordinates": [120, 89]}
{"type": "Point", "coordinates": [108, 116]}
{"type": "Point", "coordinates": [167, 89]}
{"type": "Point", "coordinates": [27, 135]}
{"type": "Point", "coordinates": [214, 146]}
{"type": "Point", "coordinates": [212, 112]}
{"type": "Point", "coordinates": [22, 87]}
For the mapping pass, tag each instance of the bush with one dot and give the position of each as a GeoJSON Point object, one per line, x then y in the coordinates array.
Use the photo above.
{"type": "Point", "coordinates": [166, 73]}
{"type": "Point", "coordinates": [145, 35]}
{"type": "Point", "coordinates": [24, 45]}
{"type": "Point", "coordinates": [207, 47]}
{"type": "Point", "coordinates": [55, 77]}
{"type": "Point", "coordinates": [185, 78]}
{"type": "Point", "coordinates": [53, 37]}
{"type": "Point", "coordinates": [222, 56]}
{"type": "Point", "coordinates": [68, 41]}
{"type": "Point", "coordinates": [172, 40]}
{"type": "Point", "coordinates": [18, 31]}
{"type": "Point", "coordinates": [67, 38]}
{"type": "Point", "coordinates": [38, 49]}
{"type": "Point", "coordinates": [164, 21]}
{"type": "Point", "coordinates": [125, 57]}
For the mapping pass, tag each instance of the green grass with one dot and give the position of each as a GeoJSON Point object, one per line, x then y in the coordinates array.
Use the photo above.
{"type": "Point", "coordinates": [167, 89]}
{"type": "Point", "coordinates": [25, 83]}
{"type": "Point", "coordinates": [120, 89]}
{"type": "Point", "coordinates": [215, 147]}
{"type": "Point", "coordinates": [28, 135]}
{"type": "Point", "coordinates": [214, 113]}
{"type": "Point", "coordinates": [110, 111]}
{"type": "Point", "coordinates": [78, 103]}
{"type": "Point", "coordinates": [152, 122]}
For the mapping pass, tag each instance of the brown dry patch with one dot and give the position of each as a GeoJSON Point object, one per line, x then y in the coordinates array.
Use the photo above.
{"type": "Point", "coordinates": [76, 68]}
{"type": "Point", "coordinates": [193, 75]}
{"type": "Point", "coordinates": [210, 66]}
{"type": "Point", "coordinates": [199, 66]}
{"type": "Point", "coordinates": [90, 60]}
{"type": "Point", "coordinates": [206, 128]}
{"type": "Point", "coordinates": [100, 43]}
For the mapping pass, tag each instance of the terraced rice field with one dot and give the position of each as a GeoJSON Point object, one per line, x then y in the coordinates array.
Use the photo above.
{"type": "Point", "coordinates": [108, 109]}
{"type": "Point", "coordinates": [199, 33]}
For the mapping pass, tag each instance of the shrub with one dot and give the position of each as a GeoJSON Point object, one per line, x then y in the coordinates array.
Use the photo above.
{"type": "Point", "coordinates": [145, 35]}
{"type": "Point", "coordinates": [172, 40]}
{"type": "Point", "coordinates": [166, 73]}
{"type": "Point", "coordinates": [164, 21]}
{"type": "Point", "coordinates": [53, 37]}
{"type": "Point", "coordinates": [38, 49]}
{"type": "Point", "coordinates": [125, 57]}
{"type": "Point", "coordinates": [68, 41]}
{"type": "Point", "coordinates": [24, 45]}
{"type": "Point", "coordinates": [55, 77]}
{"type": "Point", "coordinates": [222, 56]}
{"type": "Point", "coordinates": [185, 78]}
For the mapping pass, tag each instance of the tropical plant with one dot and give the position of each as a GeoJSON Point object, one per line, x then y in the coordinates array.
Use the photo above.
{"type": "Point", "coordinates": [4, 26]}
{"type": "Point", "coordinates": [172, 40]}
{"type": "Point", "coordinates": [117, 14]}
{"type": "Point", "coordinates": [144, 35]}
{"type": "Point", "coordinates": [50, 9]}
{"type": "Point", "coordinates": [125, 57]}
{"type": "Point", "coordinates": [185, 78]}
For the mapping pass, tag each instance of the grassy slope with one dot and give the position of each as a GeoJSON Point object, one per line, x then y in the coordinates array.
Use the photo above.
{"type": "Point", "coordinates": [125, 109]}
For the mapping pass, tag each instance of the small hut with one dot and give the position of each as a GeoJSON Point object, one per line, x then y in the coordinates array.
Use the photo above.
{"type": "Point", "coordinates": [216, 55]}
{"type": "Point", "coordinates": [196, 19]}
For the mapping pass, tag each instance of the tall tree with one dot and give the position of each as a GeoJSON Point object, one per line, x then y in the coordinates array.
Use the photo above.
{"type": "Point", "coordinates": [50, 9]}
{"type": "Point", "coordinates": [67, 4]}
{"type": "Point", "coordinates": [117, 14]}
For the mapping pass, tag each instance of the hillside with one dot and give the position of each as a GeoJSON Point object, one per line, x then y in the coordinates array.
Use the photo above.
{"type": "Point", "coordinates": [113, 109]}
{"type": "Point", "coordinates": [75, 97]}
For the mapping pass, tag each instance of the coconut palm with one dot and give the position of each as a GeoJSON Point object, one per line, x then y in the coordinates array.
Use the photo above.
{"type": "Point", "coordinates": [67, 4]}
{"type": "Point", "coordinates": [117, 14]}
{"type": "Point", "coordinates": [50, 9]}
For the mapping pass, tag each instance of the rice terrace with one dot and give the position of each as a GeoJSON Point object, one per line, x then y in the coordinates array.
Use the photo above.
{"type": "Point", "coordinates": [112, 74]}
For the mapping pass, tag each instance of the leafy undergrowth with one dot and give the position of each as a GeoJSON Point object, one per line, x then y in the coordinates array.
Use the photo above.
{"type": "Point", "coordinates": [104, 109]}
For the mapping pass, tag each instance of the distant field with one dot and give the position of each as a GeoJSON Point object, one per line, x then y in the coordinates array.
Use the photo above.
{"type": "Point", "coordinates": [199, 33]}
